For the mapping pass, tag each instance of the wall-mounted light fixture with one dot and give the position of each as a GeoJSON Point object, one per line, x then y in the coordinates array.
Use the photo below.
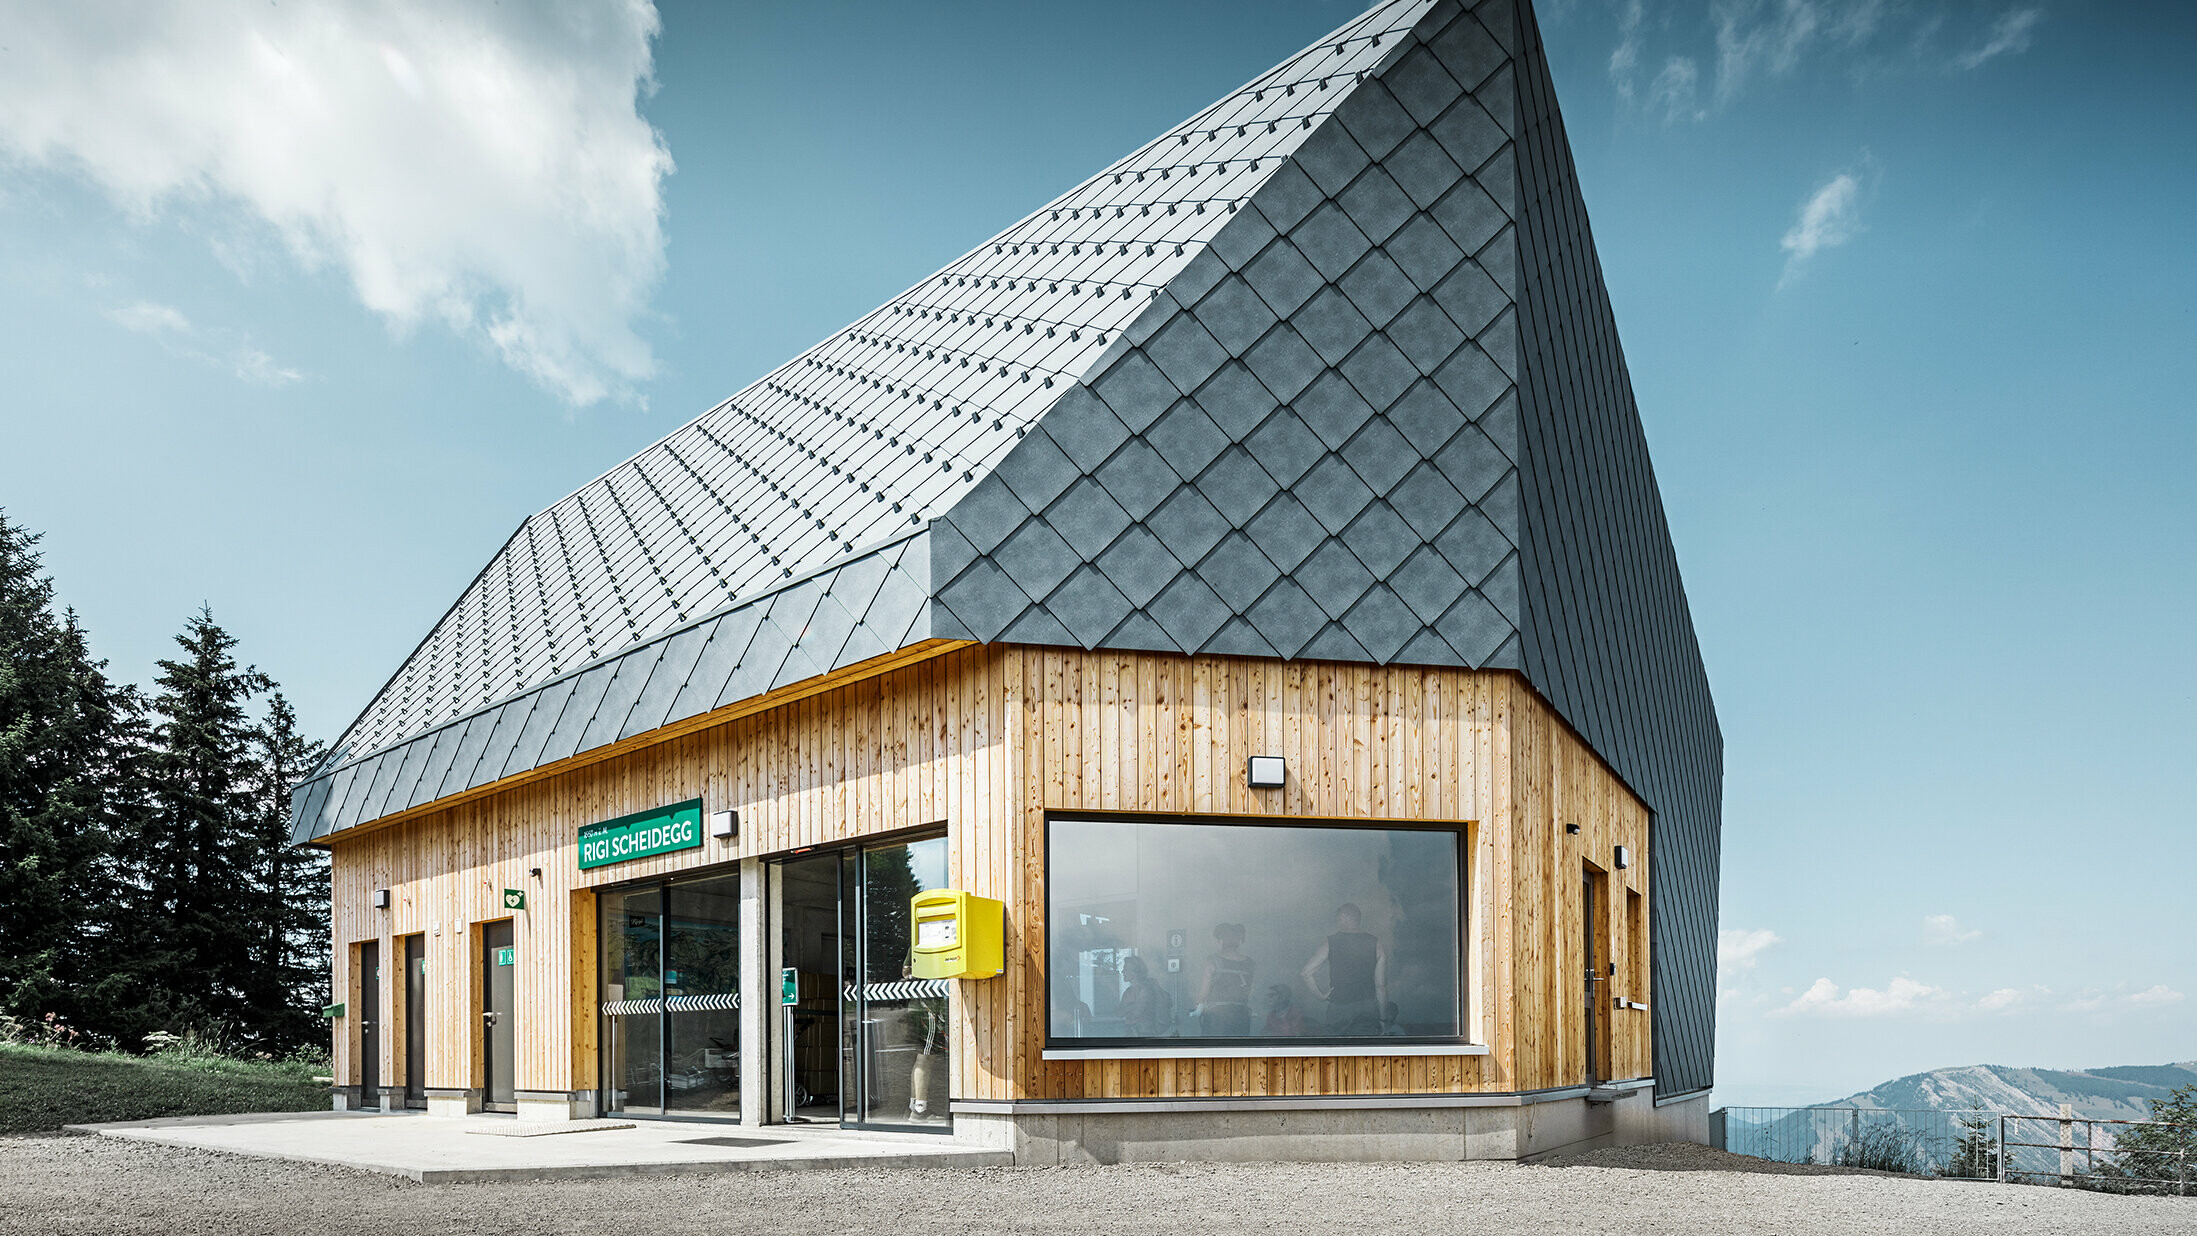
{"type": "Point", "coordinates": [1267, 772]}
{"type": "Point", "coordinates": [381, 898]}
{"type": "Point", "coordinates": [724, 824]}
{"type": "Point", "coordinates": [1571, 830]}
{"type": "Point", "coordinates": [536, 872]}
{"type": "Point", "coordinates": [1624, 856]}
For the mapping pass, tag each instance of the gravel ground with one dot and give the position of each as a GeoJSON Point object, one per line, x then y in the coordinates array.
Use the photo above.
{"type": "Point", "coordinates": [59, 1186]}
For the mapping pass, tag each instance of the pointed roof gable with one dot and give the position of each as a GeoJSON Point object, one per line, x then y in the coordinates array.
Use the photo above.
{"type": "Point", "coordinates": [874, 431]}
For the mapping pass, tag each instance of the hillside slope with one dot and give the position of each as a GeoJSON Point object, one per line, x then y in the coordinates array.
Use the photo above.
{"type": "Point", "coordinates": [2119, 1093]}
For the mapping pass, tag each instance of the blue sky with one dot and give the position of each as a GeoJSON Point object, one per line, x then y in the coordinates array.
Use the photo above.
{"type": "Point", "coordinates": [306, 311]}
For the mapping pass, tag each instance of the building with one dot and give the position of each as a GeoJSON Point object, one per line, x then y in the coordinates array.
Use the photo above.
{"type": "Point", "coordinates": [1300, 435]}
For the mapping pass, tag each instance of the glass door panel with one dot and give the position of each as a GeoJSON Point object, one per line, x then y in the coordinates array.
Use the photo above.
{"type": "Point", "coordinates": [903, 1047]}
{"type": "Point", "coordinates": [702, 996]}
{"type": "Point", "coordinates": [813, 946]}
{"type": "Point", "coordinates": [631, 926]}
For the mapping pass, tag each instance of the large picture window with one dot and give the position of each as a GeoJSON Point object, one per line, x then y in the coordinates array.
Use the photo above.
{"type": "Point", "coordinates": [1241, 933]}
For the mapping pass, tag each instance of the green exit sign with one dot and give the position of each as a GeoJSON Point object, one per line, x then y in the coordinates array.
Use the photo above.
{"type": "Point", "coordinates": [332, 1012]}
{"type": "Point", "coordinates": [513, 899]}
{"type": "Point", "coordinates": [789, 986]}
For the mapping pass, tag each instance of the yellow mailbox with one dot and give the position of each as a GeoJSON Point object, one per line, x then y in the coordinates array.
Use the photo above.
{"type": "Point", "coordinates": [958, 935]}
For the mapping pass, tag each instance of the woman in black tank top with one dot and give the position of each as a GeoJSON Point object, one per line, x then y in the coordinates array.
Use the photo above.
{"type": "Point", "coordinates": [1357, 975]}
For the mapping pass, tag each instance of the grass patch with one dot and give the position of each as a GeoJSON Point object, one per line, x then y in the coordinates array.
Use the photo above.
{"type": "Point", "coordinates": [43, 1088]}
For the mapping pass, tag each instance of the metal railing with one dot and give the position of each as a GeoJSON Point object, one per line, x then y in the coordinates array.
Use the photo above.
{"type": "Point", "coordinates": [2113, 1156]}
{"type": "Point", "coordinates": [1956, 1145]}
{"type": "Point", "coordinates": [2117, 1156]}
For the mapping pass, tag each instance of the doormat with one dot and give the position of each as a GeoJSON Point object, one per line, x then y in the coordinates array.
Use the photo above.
{"type": "Point", "coordinates": [735, 1143]}
{"type": "Point", "coordinates": [547, 1128]}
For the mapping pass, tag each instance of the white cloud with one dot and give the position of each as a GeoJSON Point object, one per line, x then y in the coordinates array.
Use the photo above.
{"type": "Point", "coordinates": [1828, 219]}
{"type": "Point", "coordinates": [2120, 1000]}
{"type": "Point", "coordinates": [2011, 999]}
{"type": "Point", "coordinates": [220, 349]}
{"type": "Point", "coordinates": [260, 369]}
{"type": "Point", "coordinates": [1746, 44]}
{"type": "Point", "coordinates": [2009, 36]}
{"type": "Point", "coordinates": [147, 318]}
{"type": "Point", "coordinates": [1755, 38]}
{"type": "Point", "coordinates": [1901, 995]}
{"type": "Point", "coordinates": [1946, 929]}
{"type": "Point", "coordinates": [1674, 90]}
{"type": "Point", "coordinates": [1625, 59]}
{"type": "Point", "coordinates": [1739, 948]}
{"type": "Point", "coordinates": [481, 165]}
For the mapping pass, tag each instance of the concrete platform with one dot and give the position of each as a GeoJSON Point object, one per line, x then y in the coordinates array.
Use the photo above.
{"type": "Point", "coordinates": [434, 1149]}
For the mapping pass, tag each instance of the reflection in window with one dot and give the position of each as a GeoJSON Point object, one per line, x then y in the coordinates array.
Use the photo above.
{"type": "Point", "coordinates": [1251, 932]}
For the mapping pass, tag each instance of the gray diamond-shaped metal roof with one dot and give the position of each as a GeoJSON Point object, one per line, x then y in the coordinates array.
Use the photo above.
{"type": "Point", "coordinates": [875, 430]}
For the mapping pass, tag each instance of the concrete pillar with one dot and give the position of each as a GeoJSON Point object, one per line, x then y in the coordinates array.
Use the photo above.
{"type": "Point", "coordinates": [756, 1003]}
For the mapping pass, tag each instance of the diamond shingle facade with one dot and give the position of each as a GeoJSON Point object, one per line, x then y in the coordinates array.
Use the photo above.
{"type": "Point", "coordinates": [1321, 397]}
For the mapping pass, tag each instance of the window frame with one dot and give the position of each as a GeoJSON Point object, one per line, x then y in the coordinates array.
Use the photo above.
{"type": "Point", "coordinates": [1254, 1047]}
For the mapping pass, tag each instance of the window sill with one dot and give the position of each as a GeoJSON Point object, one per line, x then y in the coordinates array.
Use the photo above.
{"type": "Point", "coordinates": [1263, 1051]}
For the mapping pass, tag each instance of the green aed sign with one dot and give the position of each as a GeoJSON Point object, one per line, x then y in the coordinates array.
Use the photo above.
{"type": "Point", "coordinates": [642, 834]}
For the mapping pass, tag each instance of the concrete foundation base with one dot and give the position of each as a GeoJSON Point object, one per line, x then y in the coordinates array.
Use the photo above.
{"type": "Point", "coordinates": [453, 1102]}
{"type": "Point", "coordinates": [355, 1099]}
{"type": "Point", "coordinates": [556, 1105]}
{"type": "Point", "coordinates": [1275, 1130]}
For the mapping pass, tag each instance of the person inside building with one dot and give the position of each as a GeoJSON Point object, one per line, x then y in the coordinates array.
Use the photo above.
{"type": "Point", "coordinates": [1284, 1020]}
{"type": "Point", "coordinates": [1357, 975]}
{"type": "Point", "coordinates": [1145, 1010]}
{"type": "Point", "coordinates": [1224, 993]}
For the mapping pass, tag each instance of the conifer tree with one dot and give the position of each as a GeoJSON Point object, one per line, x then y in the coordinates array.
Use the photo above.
{"type": "Point", "coordinates": [195, 927]}
{"type": "Point", "coordinates": [289, 891]}
{"type": "Point", "coordinates": [66, 776]}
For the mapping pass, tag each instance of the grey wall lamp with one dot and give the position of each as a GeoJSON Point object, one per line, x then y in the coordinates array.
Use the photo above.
{"type": "Point", "coordinates": [1267, 772]}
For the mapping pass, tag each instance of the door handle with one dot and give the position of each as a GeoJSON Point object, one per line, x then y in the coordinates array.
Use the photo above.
{"type": "Point", "coordinates": [490, 1018]}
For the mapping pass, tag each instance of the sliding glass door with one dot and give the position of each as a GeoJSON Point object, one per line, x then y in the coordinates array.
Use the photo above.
{"type": "Point", "coordinates": [868, 1042]}
{"type": "Point", "coordinates": [904, 1044]}
{"type": "Point", "coordinates": [670, 998]}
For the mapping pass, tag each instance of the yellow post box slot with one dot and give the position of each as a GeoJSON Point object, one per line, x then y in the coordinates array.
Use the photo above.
{"type": "Point", "coordinates": [958, 935]}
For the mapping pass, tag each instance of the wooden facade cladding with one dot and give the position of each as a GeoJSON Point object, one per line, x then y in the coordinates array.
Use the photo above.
{"type": "Point", "coordinates": [985, 740]}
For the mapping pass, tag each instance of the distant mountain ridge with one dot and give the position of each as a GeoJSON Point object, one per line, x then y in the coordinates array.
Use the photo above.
{"type": "Point", "coordinates": [2119, 1093]}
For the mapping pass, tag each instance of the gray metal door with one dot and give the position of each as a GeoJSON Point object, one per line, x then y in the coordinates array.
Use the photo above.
{"type": "Point", "coordinates": [1593, 1023]}
{"type": "Point", "coordinates": [370, 1025]}
{"type": "Point", "coordinates": [415, 1021]}
{"type": "Point", "coordinates": [499, 1015]}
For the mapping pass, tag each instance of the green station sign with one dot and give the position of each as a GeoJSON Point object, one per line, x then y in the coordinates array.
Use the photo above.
{"type": "Point", "coordinates": [642, 834]}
